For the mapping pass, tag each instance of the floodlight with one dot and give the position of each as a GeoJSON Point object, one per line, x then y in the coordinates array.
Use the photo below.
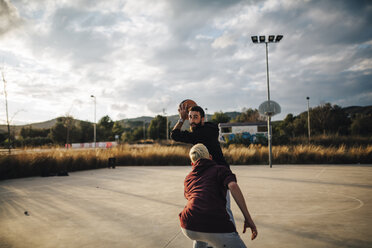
{"type": "Point", "coordinates": [278, 38]}
{"type": "Point", "coordinates": [269, 108]}
{"type": "Point", "coordinates": [254, 39]}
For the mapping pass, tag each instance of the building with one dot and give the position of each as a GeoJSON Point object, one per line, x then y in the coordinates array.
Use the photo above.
{"type": "Point", "coordinates": [247, 130]}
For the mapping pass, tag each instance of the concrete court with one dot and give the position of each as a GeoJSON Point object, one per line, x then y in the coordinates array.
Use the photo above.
{"type": "Point", "coordinates": [293, 206]}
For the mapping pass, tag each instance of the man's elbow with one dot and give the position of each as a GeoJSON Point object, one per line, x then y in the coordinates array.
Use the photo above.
{"type": "Point", "coordinates": [233, 186]}
{"type": "Point", "coordinates": [173, 136]}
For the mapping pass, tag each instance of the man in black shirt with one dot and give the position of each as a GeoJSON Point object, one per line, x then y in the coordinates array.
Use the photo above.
{"type": "Point", "coordinates": [201, 132]}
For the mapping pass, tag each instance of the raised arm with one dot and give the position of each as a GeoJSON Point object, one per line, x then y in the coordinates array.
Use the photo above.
{"type": "Point", "coordinates": [182, 112]}
{"type": "Point", "coordinates": [240, 201]}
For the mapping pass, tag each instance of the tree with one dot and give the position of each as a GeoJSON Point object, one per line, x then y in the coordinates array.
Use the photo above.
{"type": "Point", "coordinates": [117, 129]}
{"type": "Point", "coordinates": [69, 123]}
{"type": "Point", "coordinates": [329, 119]}
{"type": "Point", "coordinates": [287, 127]}
{"type": "Point", "coordinates": [85, 132]}
{"type": "Point", "coordinates": [220, 117]}
{"type": "Point", "coordinates": [249, 115]}
{"type": "Point", "coordinates": [104, 128]}
{"type": "Point", "coordinates": [29, 132]}
{"type": "Point", "coordinates": [299, 125]}
{"type": "Point", "coordinates": [58, 132]}
{"type": "Point", "coordinates": [2, 137]}
{"type": "Point", "coordinates": [361, 125]}
{"type": "Point", "coordinates": [64, 131]}
{"type": "Point", "coordinates": [133, 135]}
{"type": "Point", "coordinates": [157, 127]}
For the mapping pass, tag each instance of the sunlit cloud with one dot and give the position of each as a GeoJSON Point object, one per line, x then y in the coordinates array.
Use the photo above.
{"type": "Point", "coordinates": [139, 57]}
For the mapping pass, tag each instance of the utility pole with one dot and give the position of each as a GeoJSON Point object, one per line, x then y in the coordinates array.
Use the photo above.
{"type": "Point", "coordinates": [144, 130]}
{"type": "Point", "coordinates": [166, 123]}
{"type": "Point", "coordinates": [308, 117]}
{"type": "Point", "coordinates": [95, 125]}
{"type": "Point", "coordinates": [7, 113]}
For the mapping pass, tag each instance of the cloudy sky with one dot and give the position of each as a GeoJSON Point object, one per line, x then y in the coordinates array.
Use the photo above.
{"type": "Point", "coordinates": [139, 57]}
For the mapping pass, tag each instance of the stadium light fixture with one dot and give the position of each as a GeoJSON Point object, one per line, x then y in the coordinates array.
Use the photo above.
{"type": "Point", "coordinates": [278, 38]}
{"type": "Point", "coordinates": [254, 39]}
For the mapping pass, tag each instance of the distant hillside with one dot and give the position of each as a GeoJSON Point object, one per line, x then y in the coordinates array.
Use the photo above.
{"type": "Point", "coordinates": [233, 115]}
{"type": "Point", "coordinates": [138, 121]}
{"type": "Point", "coordinates": [38, 125]}
{"type": "Point", "coordinates": [352, 110]}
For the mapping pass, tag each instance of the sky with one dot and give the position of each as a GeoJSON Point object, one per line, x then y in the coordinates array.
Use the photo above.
{"type": "Point", "coordinates": [142, 57]}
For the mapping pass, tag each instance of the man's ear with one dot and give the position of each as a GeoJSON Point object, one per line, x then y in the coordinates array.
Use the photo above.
{"type": "Point", "coordinates": [202, 120]}
{"type": "Point", "coordinates": [210, 156]}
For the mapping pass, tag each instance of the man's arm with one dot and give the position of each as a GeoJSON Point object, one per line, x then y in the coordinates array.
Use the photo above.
{"type": "Point", "coordinates": [178, 125]}
{"type": "Point", "coordinates": [182, 136]}
{"type": "Point", "coordinates": [182, 112]}
{"type": "Point", "coordinates": [239, 199]}
{"type": "Point", "coordinates": [176, 133]}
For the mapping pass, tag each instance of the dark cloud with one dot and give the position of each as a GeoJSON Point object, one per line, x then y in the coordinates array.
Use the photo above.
{"type": "Point", "coordinates": [72, 36]}
{"type": "Point", "coordinates": [119, 107]}
{"type": "Point", "coordinates": [187, 18]}
{"type": "Point", "coordinates": [136, 91]}
{"type": "Point", "coordinates": [9, 17]}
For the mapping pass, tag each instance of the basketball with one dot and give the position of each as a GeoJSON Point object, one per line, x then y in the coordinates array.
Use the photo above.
{"type": "Point", "coordinates": [188, 104]}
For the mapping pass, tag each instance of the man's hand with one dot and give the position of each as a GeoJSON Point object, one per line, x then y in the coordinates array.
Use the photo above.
{"type": "Point", "coordinates": [252, 226]}
{"type": "Point", "coordinates": [182, 112]}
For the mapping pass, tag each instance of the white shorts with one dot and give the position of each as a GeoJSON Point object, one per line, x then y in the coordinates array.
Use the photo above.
{"type": "Point", "coordinates": [217, 240]}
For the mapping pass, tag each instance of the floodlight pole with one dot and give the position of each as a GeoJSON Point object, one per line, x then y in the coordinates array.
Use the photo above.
{"type": "Point", "coordinates": [269, 135]}
{"type": "Point", "coordinates": [262, 39]}
{"type": "Point", "coordinates": [7, 116]}
{"type": "Point", "coordinates": [308, 116]}
{"type": "Point", "coordinates": [144, 132]}
{"type": "Point", "coordinates": [95, 125]}
{"type": "Point", "coordinates": [166, 118]}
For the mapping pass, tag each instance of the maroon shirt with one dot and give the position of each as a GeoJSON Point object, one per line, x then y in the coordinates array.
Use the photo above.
{"type": "Point", "coordinates": [205, 191]}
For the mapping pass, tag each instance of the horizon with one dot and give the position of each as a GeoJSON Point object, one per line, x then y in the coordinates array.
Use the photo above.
{"type": "Point", "coordinates": [143, 116]}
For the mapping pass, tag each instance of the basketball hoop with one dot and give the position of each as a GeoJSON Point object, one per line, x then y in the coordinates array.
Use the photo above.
{"type": "Point", "coordinates": [269, 108]}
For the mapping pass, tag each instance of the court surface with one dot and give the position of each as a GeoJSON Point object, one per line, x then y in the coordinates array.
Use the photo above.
{"type": "Point", "coordinates": [292, 205]}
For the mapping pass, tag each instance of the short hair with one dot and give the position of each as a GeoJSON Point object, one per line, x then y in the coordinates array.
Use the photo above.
{"type": "Point", "coordinates": [198, 151]}
{"type": "Point", "coordinates": [198, 109]}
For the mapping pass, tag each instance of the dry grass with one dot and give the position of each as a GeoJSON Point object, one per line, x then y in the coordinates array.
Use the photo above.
{"type": "Point", "coordinates": [333, 140]}
{"type": "Point", "coordinates": [300, 154]}
{"type": "Point", "coordinates": [52, 161]}
{"type": "Point", "coordinates": [35, 163]}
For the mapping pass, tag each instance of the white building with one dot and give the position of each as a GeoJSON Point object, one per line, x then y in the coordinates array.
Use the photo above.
{"type": "Point", "coordinates": [247, 130]}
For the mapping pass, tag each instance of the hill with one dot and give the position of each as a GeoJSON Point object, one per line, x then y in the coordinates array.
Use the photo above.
{"type": "Point", "coordinates": [38, 125]}
{"type": "Point", "coordinates": [138, 121]}
{"type": "Point", "coordinates": [352, 110]}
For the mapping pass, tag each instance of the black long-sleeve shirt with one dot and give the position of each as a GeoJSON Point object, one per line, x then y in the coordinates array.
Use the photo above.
{"type": "Point", "coordinates": [206, 134]}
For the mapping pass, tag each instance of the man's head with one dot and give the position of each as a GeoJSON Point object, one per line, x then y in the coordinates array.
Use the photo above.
{"type": "Point", "coordinates": [196, 117]}
{"type": "Point", "coordinates": [197, 152]}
